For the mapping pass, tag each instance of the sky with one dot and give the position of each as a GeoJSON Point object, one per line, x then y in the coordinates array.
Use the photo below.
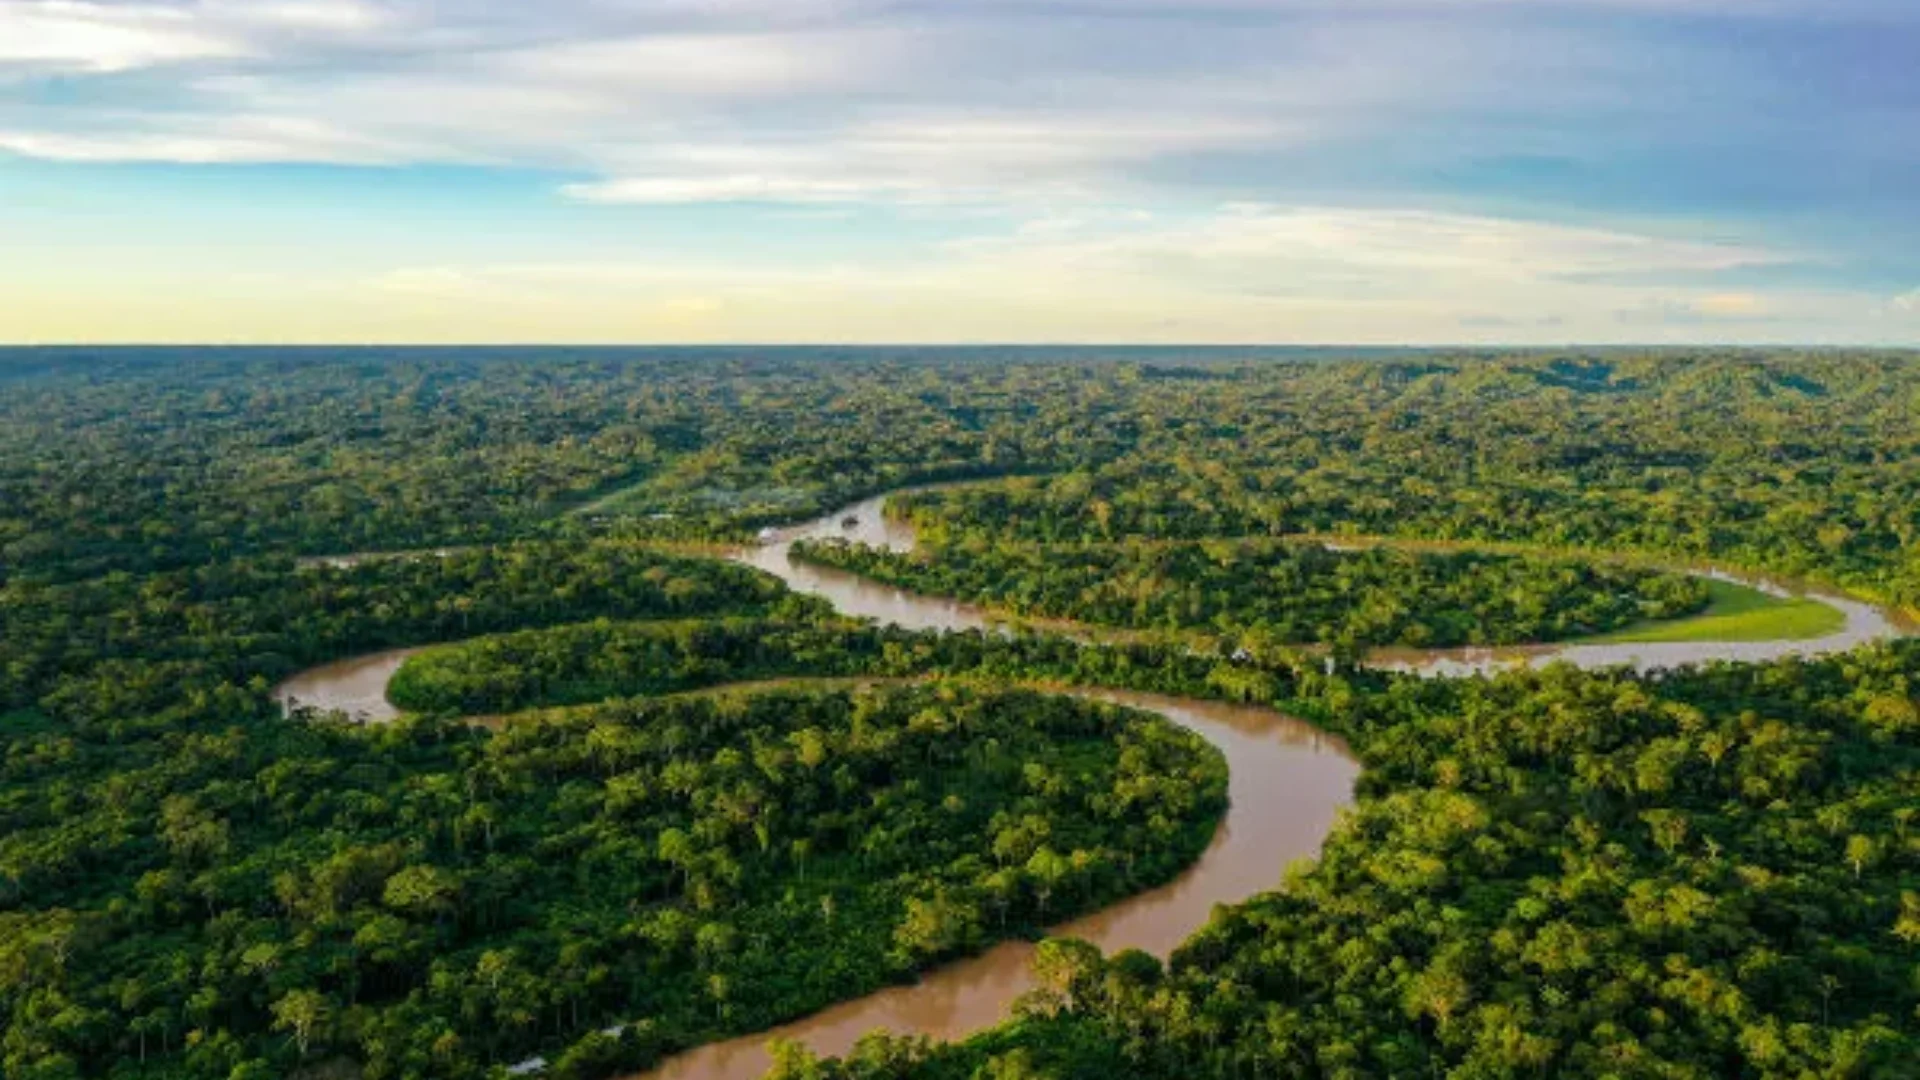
{"type": "Point", "coordinates": [907, 171]}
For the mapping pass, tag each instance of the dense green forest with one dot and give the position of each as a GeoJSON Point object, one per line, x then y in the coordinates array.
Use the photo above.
{"type": "Point", "coordinates": [587, 662]}
{"type": "Point", "coordinates": [1553, 873]}
{"type": "Point", "coordinates": [265, 617]}
{"type": "Point", "coordinates": [1804, 467]}
{"type": "Point", "coordinates": [432, 899]}
{"type": "Point", "coordinates": [1286, 591]}
{"type": "Point", "coordinates": [149, 459]}
{"type": "Point", "coordinates": [1709, 873]}
{"type": "Point", "coordinates": [141, 459]}
{"type": "Point", "coordinates": [192, 885]}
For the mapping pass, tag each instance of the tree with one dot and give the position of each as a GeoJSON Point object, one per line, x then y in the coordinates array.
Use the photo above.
{"type": "Point", "coordinates": [936, 926]}
{"type": "Point", "coordinates": [1907, 926]}
{"type": "Point", "coordinates": [304, 1013]}
{"type": "Point", "coordinates": [1048, 869]}
{"type": "Point", "coordinates": [1068, 969]}
{"type": "Point", "coordinates": [422, 890]}
{"type": "Point", "coordinates": [1440, 991]}
{"type": "Point", "coordinates": [1861, 850]}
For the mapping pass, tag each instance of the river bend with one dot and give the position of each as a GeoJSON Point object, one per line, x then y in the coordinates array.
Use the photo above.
{"type": "Point", "coordinates": [1286, 784]}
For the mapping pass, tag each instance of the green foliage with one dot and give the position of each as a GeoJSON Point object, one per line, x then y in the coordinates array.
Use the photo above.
{"type": "Point", "coordinates": [425, 897]}
{"type": "Point", "coordinates": [150, 459]}
{"type": "Point", "coordinates": [1700, 874]}
{"type": "Point", "coordinates": [1563, 873]}
{"type": "Point", "coordinates": [1286, 591]}
{"type": "Point", "coordinates": [141, 460]}
{"type": "Point", "coordinates": [587, 662]}
{"type": "Point", "coordinates": [268, 618]}
{"type": "Point", "coordinates": [590, 661]}
{"type": "Point", "coordinates": [1739, 613]}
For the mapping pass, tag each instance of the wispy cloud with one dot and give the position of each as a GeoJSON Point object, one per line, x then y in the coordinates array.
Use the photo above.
{"type": "Point", "coordinates": [1316, 250]}
{"type": "Point", "coordinates": [742, 188]}
{"type": "Point", "coordinates": [67, 35]}
{"type": "Point", "coordinates": [1242, 273]}
{"type": "Point", "coordinates": [220, 140]}
{"type": "Point", "coordinates": [93, 36]}
{"type": "Point", "coordinates": [1532, 165]}
{"type": "Point", "coordinates": [916, 156]}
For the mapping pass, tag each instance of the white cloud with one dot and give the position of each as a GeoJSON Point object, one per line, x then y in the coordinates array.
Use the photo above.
{"type": "Point", "coordinates": [105, 37]}
{"type": "Point", "coordinates": [853, 96]}
{"type": "Point", "coordinates": [916, 157]}
{"type": "Point", "coordinates": [737, 188]}
{"type": "Point", "coordinates": [1248, 274]}
{"type": "Point", "coordinates": [1241, 274]}
{"type": "Point", "coordinates": [443, 281]}
{"type": "Point", "coordinates": [1261, 248]}
{"type": "Point", "coordinates": [712, 64]}
{"type": "Point", "coordinates": [1262, 253]}
{"type": "Point", "coordinates": [90, 36]}
{"type": "Point", "coordinates": [812, 101]}
{"type": "Point", "coordinates": [338, 16]}
{"type": "Point", "coordinates": [1344, 118]}
{"type": "Point", "coordinates": [219, 141]}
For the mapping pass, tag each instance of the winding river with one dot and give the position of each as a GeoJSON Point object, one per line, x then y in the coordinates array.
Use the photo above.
{"type": "Point", "coordinates": [1287, 783]}
{"type": "Point", "coordinates": [1863, 624]}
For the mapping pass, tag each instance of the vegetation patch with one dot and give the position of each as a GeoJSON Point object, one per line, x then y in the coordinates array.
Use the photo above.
{"type": "Point", "coordinates": [587, 662]}
{"type": "Point", "coordinates": [263, 618]}
{"type": "Point", "coordinates": [702, 866]}
{"type": "Point", "coordinates": [1285, 591]}
{"type": "Point", "coordinates": [1548, 873]}
{"type": "Point", "coordinates": [1741, 613]}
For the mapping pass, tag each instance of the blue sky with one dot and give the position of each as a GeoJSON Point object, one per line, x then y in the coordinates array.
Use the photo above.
{"type": "Point", "coordinates": [851, 170]}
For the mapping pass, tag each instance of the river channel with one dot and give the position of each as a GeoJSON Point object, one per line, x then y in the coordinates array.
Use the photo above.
{"type": "Point", "coordinates": [1287, 783]}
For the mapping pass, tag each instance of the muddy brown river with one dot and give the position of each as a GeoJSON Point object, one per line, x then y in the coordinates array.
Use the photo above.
{"type": "Point", "coordinates": [1287, 783]}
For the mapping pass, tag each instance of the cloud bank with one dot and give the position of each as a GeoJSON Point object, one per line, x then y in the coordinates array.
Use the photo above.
{"type": "Point", "coordinates": [1693, 164]}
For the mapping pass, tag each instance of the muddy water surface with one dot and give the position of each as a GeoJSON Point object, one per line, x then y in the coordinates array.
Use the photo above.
{"type": "Point", "coordinates": [851, 594]}
{"type": "Point", "coordinates": [356, 687]}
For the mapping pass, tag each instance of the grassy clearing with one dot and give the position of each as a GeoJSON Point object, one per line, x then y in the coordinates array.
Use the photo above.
{"type": "Point", "coordinates": [1739, 613]}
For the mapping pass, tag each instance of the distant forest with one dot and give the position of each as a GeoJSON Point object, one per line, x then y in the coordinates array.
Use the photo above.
{"type": "Point", "coordinates": [137, 460]}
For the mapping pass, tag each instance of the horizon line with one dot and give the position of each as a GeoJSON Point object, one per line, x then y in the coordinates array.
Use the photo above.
{"type": "Point", "coordinates": [964, 345]}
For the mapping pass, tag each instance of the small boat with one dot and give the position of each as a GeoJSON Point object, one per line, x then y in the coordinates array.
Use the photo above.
{"type": "Point", "coordinates": [850, 521]}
